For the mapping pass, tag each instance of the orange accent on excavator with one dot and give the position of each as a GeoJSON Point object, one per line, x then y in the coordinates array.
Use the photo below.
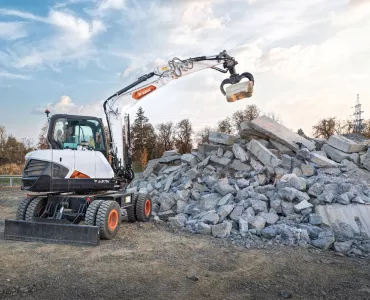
{"type": "Point", "coordinates": [143, 92]}
{"type": "Point", "coordinates": [147, 208]}
{"type": "Point", "coordinates": [113, 220]}
{"type": "Point", "coordinates": [77, 174]}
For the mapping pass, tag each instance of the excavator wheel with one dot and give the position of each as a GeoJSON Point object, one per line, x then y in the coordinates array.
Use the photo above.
{"type": "Point", "coordinates": [143, 207]}
{"type": "Point", "coordinates": [35, 208]}
{"type": "Point", "coordinates": [92, 211]}
{"type": "Point", "coordinates": [108, 219]}
{"type": "Point", "coordinates": [131, 214]}
{"type": "Point", "coordinates": [22, 208]}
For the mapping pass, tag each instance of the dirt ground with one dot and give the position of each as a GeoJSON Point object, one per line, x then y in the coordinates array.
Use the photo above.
{"type": "Point", "coordinates": [148, 261]}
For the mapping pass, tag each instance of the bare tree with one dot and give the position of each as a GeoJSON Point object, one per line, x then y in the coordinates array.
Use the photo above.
{"type": "Point", "coordinates": [366, 129]}
{"type": "Point", "coordinates": [184, 132]}
{"type": "Point", "coordinates": [250, 113]}
{"type": "Point", "coordinates": [274, 116]}
{"type": "Point", "coordinates": [166, 135]}
{"type": "Point", "coordinates": [3, 139]}
{"type": "Point", "coordinates": [325, 128]}
{"type": "Point", "coordinates": [225, 126]}
{"type": "Point", "coordinates": [202, 136]}
{"type": "Point", "coordinates": [43, 142]}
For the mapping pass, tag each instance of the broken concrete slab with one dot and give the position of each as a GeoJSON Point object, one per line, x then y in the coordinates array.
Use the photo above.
{"type": "Point", "coordinates": [223, 161]}
{"type": "Point", "coordinates": [302, 205]}
{"type": "Point", "coordinates": [255, 164]}
{"type": "Point", "coordinates": [246, 131]}
{"type": "Point", "coordinates": [168, 159]}
{"type": "Point", "coordinates": [322, 161]}
{"type": "Point", "coordinates": [189, 159]}
{"type": "Point", "coordinates": [222, 138]}
{"type": "Point", "coordinates": [346, 145]}
{"type": "Point", "coordinates": [170, 153]}
{"type": "Point", "coordinates": [280, 133]}
{"type": "Point", "coordinates": [263, 154]}
{"type": "Point", "coordinates": [240, 153]}
{"type": "Point", "coordinates": [281, 148]}
{"type": "Point", "coordinates": [356, 215]}
{"type": "Point", "coordinates": [221, 230]}
{"type": "Point", "coordinates": [237, 165]}
{"type": "Point", "coordinates": [366, 160]}
{"type": "Point", "coordinates": [171, 169]}
{"type": "Point", "coordinates": [335, 154]}
{"type": "Point", "coordinates": [152, 164]}
{"type": "Point", "coordinates": [209, 201]}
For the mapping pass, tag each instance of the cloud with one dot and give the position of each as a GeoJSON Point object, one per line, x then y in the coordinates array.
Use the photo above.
{"type": "Point", "coordinates": [21, 14]}
{"type": "Point", "coordinates": [71, 24]}
{"type": "Point", "coordinates": [65, 105]}
{"type": "Point", "coordinates": [357, 11]}
{"type": "Point", "coordinates": [8, 75]}
{"type": "Point", "coordinates": [71, 41]}
{"type": "Point", "coordinates": [12, 30]}
{"type": "Point", "coordinates": [110, 4]}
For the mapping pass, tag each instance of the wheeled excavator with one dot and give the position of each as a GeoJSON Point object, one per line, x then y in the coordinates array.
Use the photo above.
{"type": "Point", "coordinates": [77, 187]}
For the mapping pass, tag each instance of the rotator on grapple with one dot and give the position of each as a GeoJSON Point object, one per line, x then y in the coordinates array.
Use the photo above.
{"type": "Point", "coordinates": [78, 185]}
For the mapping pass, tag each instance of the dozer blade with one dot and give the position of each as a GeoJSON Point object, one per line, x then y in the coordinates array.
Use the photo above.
{"type": "Point", "coordinates": [51, 232]}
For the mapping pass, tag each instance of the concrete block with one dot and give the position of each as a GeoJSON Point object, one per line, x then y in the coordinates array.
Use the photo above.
{"type": "Point", "coordinates": [335, 154]}
{"type": "Point", "coordinates": [237, 165]}
{"type": "Point", "coordinates": [263, 154]}
{"type": "Point", "coordinates": [281, 148]}
{"type": "Point", "coordinates": [346, 145]}
{"type": "Point", "coordinates": [322, 161]}
{"type": "Point", "coordinates": [246, 131]}
{"type": "Point", "coordinates": [223, 161]}
{"type": "Point", "coordinates": [222, 138]}
{"type": "Point", "coordinates": [280, 133]}
{"type": "Point", "coordinates": [348, 214]}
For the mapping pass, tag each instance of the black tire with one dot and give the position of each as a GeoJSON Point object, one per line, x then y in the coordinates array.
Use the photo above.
{"type": "Point", "coordinates": [35, 208]}
{"type": "Point", "coordinates": [22, 208]}
{"type": "Point", "coordinates": [143, 207]}
{"type": "Point", "coordinates": [131, 214]}
{"type": "Point", "coordinates": [92, 211]}
{"type": "Point", "coordinates": [109, 214]}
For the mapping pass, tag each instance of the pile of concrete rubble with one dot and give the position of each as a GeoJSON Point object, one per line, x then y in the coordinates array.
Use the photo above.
{"type": "Point", "coordinates": [266, 186]}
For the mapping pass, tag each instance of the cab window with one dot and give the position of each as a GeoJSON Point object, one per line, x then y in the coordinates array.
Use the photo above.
{"type": "Point", "coordinates": [74, 134]}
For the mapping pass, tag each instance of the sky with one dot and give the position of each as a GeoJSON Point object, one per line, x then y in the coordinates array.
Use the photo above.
{"type": "Point", "coordinates": [309, 58]}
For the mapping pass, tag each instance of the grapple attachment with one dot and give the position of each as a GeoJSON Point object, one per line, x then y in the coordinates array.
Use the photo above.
{"type": "Point", "coordinates": [51, 232]}
{"type": "Point", "coordinates": [238, 90]}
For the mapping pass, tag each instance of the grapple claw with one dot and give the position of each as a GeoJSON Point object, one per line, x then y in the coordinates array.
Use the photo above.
{"type": "Point", "coordinates": [238, 90]}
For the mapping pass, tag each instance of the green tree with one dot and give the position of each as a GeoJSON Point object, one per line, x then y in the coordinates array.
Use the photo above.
{"type": "Point", "coordinates": [143, 136]}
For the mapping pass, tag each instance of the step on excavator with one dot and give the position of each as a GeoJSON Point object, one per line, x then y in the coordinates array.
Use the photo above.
{"type": "Point", "coordinates": [77, 187]}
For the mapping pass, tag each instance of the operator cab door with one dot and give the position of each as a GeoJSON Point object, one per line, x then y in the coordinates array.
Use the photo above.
{"type": "Point", "coordinates": [78, 143]}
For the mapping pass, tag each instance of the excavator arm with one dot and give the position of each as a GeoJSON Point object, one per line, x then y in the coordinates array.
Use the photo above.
{"type": "Point", "coordinates": [162, 75]}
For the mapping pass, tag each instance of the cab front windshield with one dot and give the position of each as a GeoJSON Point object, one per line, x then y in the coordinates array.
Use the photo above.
{"type": "Point", "coordinates": [77, 134]}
